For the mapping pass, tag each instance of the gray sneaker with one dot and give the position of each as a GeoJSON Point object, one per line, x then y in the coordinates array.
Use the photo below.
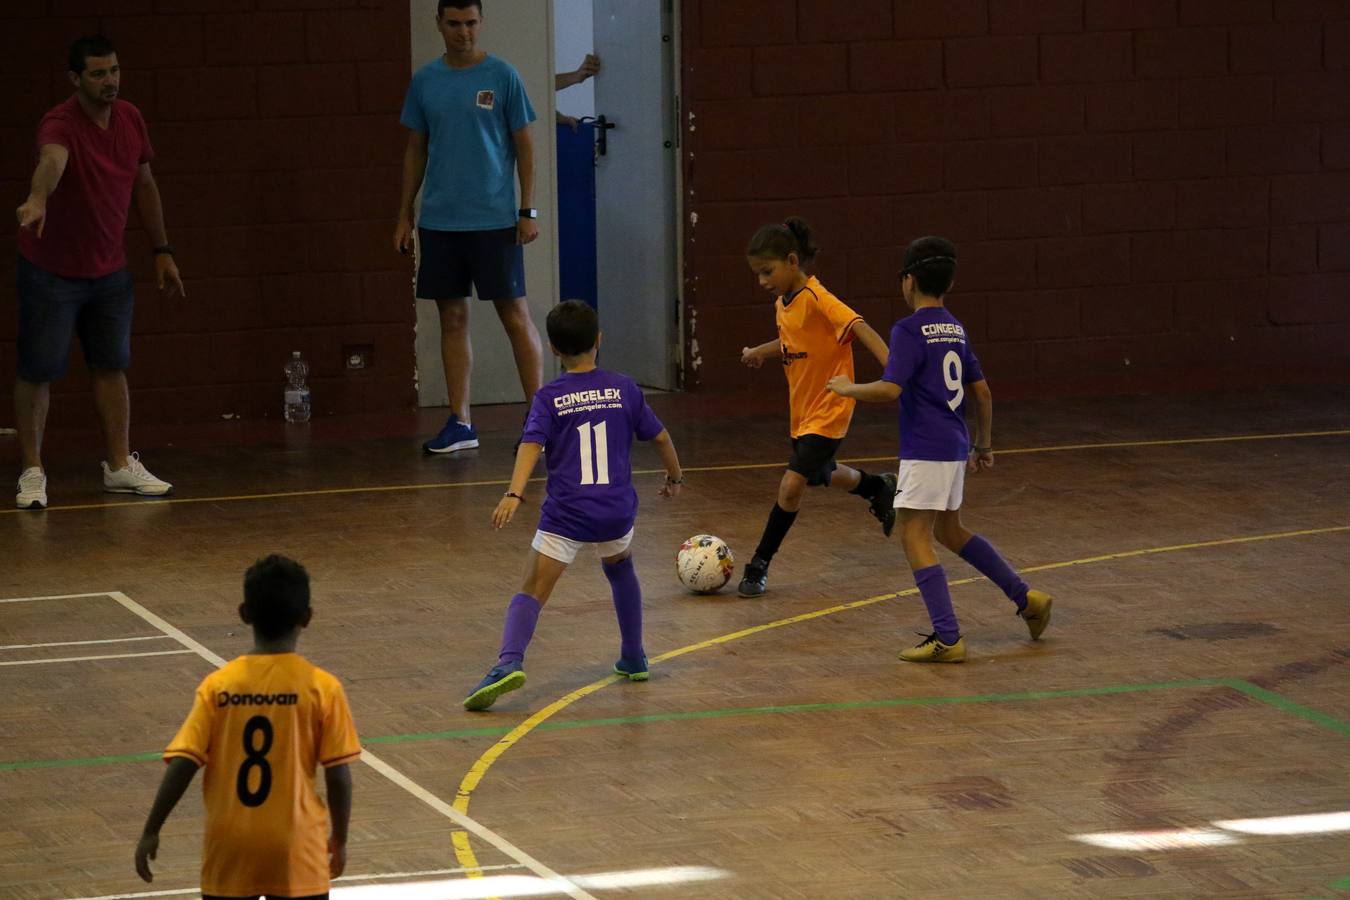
{"type": "Point", "coordinates": [32, 489]}
{"type": "Point", "coordinates": [134, 479]}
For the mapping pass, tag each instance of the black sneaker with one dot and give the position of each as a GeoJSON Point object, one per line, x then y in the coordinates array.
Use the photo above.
{"type": "Point", "coordinates": [756, 579]}
{"type": "Point", "coordinates": [883, 505]}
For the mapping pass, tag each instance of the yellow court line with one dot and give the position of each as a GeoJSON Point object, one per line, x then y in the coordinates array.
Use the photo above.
{"type": "Point", "coordinates": [729, 467]}
{"type": "Point", "coordinates": [464, 852]}
{"type": "Point", "coordinates": [1169, 442]}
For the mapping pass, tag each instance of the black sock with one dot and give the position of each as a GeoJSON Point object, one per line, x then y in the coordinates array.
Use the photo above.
{"type": "Point", "coordinates": [780, 520]}
{"type": "Point", "coordinates": [868, 485]}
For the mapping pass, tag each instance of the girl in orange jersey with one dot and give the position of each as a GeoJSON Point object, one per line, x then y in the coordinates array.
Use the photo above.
{"type": "Point", "coordinates": [816, 331]}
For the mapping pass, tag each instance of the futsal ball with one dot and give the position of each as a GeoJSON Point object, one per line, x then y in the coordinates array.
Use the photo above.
{"type": "Point", "coordinates": [704, 564]}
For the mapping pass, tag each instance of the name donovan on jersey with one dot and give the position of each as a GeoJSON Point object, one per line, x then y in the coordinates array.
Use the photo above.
{"type": "Point", "coordinates": [563, 401]}
{"type": "Point", "coordinates": [943, 328]}
{"type": "Point", "coordinates": [224, 698]}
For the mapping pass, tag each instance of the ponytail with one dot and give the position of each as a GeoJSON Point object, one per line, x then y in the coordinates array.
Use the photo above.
{"type": "Point", "coordinates": [777, 241]}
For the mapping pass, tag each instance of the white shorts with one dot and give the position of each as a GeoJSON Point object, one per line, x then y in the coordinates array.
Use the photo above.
{"type": "Point", "coordinates": [930, 484]}
{"type": "Point", "coordinates": [565, 550]}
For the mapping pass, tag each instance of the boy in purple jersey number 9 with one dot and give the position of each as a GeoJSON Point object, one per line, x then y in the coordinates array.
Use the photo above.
{"type": "Point", "coordinates": [932, 370]}
{"type": "Point", "coordinates": [586, 420]}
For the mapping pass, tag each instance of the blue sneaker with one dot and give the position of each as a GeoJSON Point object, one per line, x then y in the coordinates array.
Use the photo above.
{"type": "Point", "coordinates": [456, 435]}
{"type": "Point", "coordinates": [635, 669]}
{"type": "Point", "coordinates": [501, 680]}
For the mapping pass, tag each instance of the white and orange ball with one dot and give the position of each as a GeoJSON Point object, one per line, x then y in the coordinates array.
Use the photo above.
{"type": "Point", "coordinates": [704, 564]}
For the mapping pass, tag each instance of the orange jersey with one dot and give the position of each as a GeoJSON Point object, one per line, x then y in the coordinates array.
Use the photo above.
{"type": "Point", "coordinates": [260, 725]}
{"type": "Point", "coordinates": [815, 332]}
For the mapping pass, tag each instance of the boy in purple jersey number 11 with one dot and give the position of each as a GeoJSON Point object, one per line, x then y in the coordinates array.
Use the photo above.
{"type": "Point", "coordinates": [586, 420]}
{"type": "Point", "coordinates": [931, 368]}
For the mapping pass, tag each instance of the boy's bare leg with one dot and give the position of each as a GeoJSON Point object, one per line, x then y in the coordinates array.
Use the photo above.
{"type": "Point", "coordinates": [541, 576]}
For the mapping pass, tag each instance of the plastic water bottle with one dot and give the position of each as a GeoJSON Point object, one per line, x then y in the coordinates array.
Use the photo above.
{"type": "Point", "coordinates": [297, 391]}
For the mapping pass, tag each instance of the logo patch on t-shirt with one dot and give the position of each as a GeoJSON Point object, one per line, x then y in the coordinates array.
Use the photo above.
{"type": "Point", "coordinates": [487, 99]}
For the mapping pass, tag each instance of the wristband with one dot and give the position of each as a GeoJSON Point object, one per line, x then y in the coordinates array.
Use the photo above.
{"type": "Point", "coordinates": [988, 449]}
{"type": "Point", "coordinates": [670, 480]}
{"type": "Point", "coordinates": [165, 250]}
{"type": "Point", "coordinates": [514, 494]}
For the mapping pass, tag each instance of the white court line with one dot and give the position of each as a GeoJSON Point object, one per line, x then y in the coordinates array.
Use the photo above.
{"type": "Point", "coordinates": [1185, 838]}
{"type": "Point", "coordinates": [126, 640]}
{"type": "Point", "coordinates": [56, 597]}
{"type": "Point", "coordinates": [1312, 823]}
{"type": "Point", "coordinates": [379, 765]}
{"type": "Point", "coordinates": [66, 659]}
{"type": "Point", "coordinates": [183, 891]}
{"type": "Point", "coordinates": [461, 871]}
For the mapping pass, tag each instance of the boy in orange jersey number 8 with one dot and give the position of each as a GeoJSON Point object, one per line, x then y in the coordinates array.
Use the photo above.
{"type": "Point", "coordinates": [259, 725]}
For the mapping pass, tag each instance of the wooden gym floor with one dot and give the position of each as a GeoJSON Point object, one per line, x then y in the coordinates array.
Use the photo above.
{"type": "Point", "coordinates": [1182, 730]}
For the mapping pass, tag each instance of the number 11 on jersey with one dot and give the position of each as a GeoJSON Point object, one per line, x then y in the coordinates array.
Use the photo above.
{"type": "Point", "coordinates": [594, 458]}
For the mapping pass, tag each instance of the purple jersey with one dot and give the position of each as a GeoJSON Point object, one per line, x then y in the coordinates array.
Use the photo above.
{"type": "Point", "coordinates": [932, 361]}
{"type": "Point", "coordinates": [586, 422]}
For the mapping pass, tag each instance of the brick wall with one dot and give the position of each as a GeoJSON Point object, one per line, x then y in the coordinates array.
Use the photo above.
{"type": "Point", "coordinates": [277, 153]}
{"type": "Point", "coordinates": [1147, 194]}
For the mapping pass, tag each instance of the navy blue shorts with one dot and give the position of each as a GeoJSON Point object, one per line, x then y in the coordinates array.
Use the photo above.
{"type": "Point", "coordinates": [53, 309]}
{"type": "Point", "coordinates": [452, 262]}
{"type": "Point", "coordinates": [813, 458]}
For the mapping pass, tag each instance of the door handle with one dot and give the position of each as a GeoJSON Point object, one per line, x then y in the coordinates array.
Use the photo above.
{"type": "Point", "coordinates": [602, 127]}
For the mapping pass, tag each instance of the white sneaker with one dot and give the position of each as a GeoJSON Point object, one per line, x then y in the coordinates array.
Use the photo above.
{"type": "Point", "coordinates": [134, 479]}
{"type": "Point", "coordinates": [32, 489]}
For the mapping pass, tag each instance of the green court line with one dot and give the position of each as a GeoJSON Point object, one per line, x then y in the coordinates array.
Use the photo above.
{"type": "Point", "coordinates": [1269, 698]}
{"type": "Point", "coordinates": [87, 761]}
{"type": "Point", "coordinates": [1279, 701]}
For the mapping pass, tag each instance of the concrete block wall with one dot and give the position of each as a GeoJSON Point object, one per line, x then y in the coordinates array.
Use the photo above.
{"type": "Point", "coordinates": [1147, 194]}
{"type": "Point", "coordinates": [275, 127]}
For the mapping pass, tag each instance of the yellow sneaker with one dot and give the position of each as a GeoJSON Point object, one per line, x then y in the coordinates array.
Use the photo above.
{"type": "Point", "coordinates": [1037, 612]}
{"type": "Point", "coordinates": [934, 651]}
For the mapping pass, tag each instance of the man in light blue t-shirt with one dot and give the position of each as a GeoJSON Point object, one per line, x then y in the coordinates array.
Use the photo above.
{"type": "Point", "coordinates": [469, 120]}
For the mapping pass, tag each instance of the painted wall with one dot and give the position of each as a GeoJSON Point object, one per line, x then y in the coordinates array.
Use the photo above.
{"type": "Point", "coordinates": [573, 39]}
{"type": "Point", "coordinates": [1146, 193]}
{"type": "Point", "coordinates": [278, 151]}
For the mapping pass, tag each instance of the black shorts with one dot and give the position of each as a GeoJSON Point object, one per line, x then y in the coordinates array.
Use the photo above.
{"type": "Point", "coordinates": [455, 264]}
{"type": "Point", "coordinates": [813, 458]}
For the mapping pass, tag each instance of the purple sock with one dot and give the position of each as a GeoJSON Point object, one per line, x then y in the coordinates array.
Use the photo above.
{"type": "Point", "coordinates": [932, 583]}
{"type": "Point", "coordinates": [982, 555]}
{"type": "Point", "coordinates": [521, 617]}
{"type": "Point", "coordinates": [623, 581]}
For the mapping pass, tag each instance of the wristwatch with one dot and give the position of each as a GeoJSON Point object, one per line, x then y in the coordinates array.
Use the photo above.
{"type": "Point", "coordinates": [530, 213]}
{"type": "Point", "coordinates": [165, 250]}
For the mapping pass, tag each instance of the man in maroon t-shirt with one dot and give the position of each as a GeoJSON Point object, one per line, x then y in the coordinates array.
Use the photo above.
{"type": "Point", "coordinates": [93, 159]}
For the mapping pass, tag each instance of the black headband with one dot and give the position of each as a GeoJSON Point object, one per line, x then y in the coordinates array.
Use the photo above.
{"type": "Point", "coordinates": [925, 261]}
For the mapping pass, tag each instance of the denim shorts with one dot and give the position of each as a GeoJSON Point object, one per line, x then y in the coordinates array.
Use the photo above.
{"type": "Point", "coordinates": [53, 309]}
{"type": "Point", "coordinates": [454, 264]}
